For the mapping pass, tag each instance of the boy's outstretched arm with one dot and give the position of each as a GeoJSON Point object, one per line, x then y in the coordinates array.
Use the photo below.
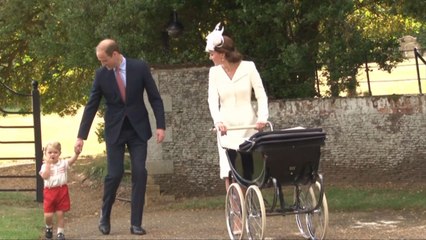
{"type": "Point", "coordinates": [74, 158]}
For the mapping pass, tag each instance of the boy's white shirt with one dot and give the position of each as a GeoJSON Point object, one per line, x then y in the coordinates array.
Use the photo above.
{"type": "Point", "coordinates": [58, 174]}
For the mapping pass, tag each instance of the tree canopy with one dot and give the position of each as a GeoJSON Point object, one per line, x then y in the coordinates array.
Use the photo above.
{"type": "Point", "coordinates": [53, 41]}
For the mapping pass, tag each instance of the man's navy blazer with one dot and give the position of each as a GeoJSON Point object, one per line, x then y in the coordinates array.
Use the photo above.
{"type": "Point", "coordinates": [138, 81]}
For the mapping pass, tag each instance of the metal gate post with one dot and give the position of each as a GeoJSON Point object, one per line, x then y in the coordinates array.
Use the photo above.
{"type": "Point", "coordinates": [417, 55]}
{"type": "Point", "coordinates": [37, 139]}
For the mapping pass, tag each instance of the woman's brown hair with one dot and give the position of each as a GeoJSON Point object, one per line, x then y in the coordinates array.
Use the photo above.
{"type": "Point", "coordinates": [231, 53]}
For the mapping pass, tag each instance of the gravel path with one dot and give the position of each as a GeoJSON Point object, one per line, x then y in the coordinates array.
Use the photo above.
{"type": "Point", "coordinates": [210, 224]}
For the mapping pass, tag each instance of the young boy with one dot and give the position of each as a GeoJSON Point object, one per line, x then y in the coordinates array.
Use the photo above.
{"type": "Point", "coordinates": [56, 196]}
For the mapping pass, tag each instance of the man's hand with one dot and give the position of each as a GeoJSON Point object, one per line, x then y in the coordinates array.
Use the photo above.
{"type": "Point", "coordinates": [160, 135]}
{"type": "Point", "coordinates": [78, 146]}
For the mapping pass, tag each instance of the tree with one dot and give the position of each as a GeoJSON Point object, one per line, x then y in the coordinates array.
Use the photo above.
{"type": "Point", "coordinates": [413, 14]}
{"type": "Point", "coordinates": [52, 41]}
{"type": "Point", "coordinates": [18, 25]}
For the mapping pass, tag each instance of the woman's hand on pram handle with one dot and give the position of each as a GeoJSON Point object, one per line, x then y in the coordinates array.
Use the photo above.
{"type": "Point", "coordinates": [260, 126]}
{"type": "Point", "coordinates": [220, 127]}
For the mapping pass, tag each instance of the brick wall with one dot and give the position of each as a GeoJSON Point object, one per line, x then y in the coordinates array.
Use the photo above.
{"type": "Point", "coordinates": [369, 139]}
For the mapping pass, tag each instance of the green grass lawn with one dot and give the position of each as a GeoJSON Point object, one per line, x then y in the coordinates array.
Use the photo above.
{"type": "Point", "coordinates": [362, 199]}
{"type": "Point", "coordinates": [21, 217]}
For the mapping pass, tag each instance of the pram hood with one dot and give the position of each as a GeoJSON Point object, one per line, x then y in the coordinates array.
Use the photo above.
{"type": "Point", "coordinates": [284, 137]}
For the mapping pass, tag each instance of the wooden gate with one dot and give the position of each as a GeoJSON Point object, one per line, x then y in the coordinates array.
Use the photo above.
{"type": "Point", "coordinates": [38, 156]}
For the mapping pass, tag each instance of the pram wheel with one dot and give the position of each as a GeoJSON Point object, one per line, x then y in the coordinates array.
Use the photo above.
{"type": "Point", "coordinates": [235, 211]}
{"type": "Point", "coordinates": [313, 224]}
{"type": "Point", "coordinates": [302, 195]}
{"type": "Point", "coordinates": [317, 220]}
{"type": "Point", "coordinates": [255, 213]}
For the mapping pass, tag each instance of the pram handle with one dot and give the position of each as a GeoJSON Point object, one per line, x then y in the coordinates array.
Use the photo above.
{"type": "Point", "coordinates": [242, 127]}
{"type": "Point", "coordinates": [253, 126]}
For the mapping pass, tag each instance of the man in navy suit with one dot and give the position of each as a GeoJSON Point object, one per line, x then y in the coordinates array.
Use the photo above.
{"type": "Point", "coordinates": [126, 124]}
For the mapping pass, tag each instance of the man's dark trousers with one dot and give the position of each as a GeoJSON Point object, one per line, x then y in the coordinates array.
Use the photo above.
{"type": "Point", "coordinates": [115, 159]}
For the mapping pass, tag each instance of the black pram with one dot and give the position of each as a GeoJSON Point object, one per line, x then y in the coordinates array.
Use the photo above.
{"type": "Point", "coordinates": [288, 157]}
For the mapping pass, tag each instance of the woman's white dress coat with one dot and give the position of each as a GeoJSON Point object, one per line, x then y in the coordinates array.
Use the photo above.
{"type": "Point", "coordinates": [230, 102]}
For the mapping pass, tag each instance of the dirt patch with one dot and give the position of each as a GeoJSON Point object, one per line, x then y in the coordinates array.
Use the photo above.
{"type": "Point", "coordinates": [163, 223]}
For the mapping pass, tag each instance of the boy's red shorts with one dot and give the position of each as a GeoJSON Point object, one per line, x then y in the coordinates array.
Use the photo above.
{"type": "Point", "coordinates": [56, 199]}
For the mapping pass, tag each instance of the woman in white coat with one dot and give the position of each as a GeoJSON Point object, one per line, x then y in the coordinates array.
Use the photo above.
{"type": "Point", "coordinates": [231, 83]}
